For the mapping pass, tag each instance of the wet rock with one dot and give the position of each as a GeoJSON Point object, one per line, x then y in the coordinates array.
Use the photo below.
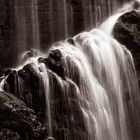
{"type": "Point", "coordinates": [18, 120]}
{"type": "Point", "coordinates": [54, 62]}
{"type": "Point", "coordinates": [55, 54]}
{"type": "Point", "coordinates": [136, 4]}
{"type": "Point", "coordinates": [20, 84]}
{"type": "Point", "coordinates": [41, 60]}
{"type": "Point", "coordinates": [52, 65]}
{"type": "Point", "coordinates": [12, 84]}
{"type": "Point", "coordinates": [127, 32]}
{"type": "Point", "coordinates": [71, 41]}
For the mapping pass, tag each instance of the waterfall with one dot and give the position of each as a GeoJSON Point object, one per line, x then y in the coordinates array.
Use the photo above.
{"type": "Point", "coordinates": [65, 18]}
{"type": "Point", "coordinates": [21, 33]}
{"type": "Point", "coordinates": [56, 20]}
{"type": "Point", "coordinates": [26, 25]}
{"type": "Point", "coordinates": [2, 83]}
{"type": "Point", "coordinates": [35, 25]}
{"type": "Point", "coordinates": [96, 90]}
{"type": "Point", "coordinates": [100, 84]}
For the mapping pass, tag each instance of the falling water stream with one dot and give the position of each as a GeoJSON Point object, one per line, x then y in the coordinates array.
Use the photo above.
{"type": "Point", "coordinates": [35, 24]}
{"type": "Point", "coordinates": [26, 25]}
{"type": "Point", "coordinates": [101, 70]}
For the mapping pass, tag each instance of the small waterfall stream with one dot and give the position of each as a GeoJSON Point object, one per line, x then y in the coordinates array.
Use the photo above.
{"type": "Point", "coordinates": [98, 73]}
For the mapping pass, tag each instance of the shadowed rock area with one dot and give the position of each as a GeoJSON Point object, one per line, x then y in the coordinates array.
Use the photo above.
{"type": "Point", "coordinates": [17, 121]}
{"type": "Point", "coordinates": [127, 32]}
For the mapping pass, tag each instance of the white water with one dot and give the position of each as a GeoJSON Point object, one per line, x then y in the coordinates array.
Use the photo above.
{"type": "Point", "coordinates": [108, 25]}
{"type": "Point", "coordinates": [2, 83]}
{"type": "Point", "coordinates": [102, 71]}
{"type": "Point", "coordinates": [96, 61]}
{"type": "Point", "coordinates": [104, 68]}
{"type": "Point", "coordinates": [26, 26]}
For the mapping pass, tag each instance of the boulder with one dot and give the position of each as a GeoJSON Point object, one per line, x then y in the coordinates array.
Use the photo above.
{"type": "Point", "coordinates": [18, 121]}
{"type": "Point", "coordinates": [54, 62]}
{"type": "Point", "coordinates": [127, 32]}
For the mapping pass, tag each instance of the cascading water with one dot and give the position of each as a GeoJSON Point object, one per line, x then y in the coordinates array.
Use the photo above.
{"type": "Point", "coordinates": [108, 25]}
{"type": "Point", "coordinates": [98, 73]}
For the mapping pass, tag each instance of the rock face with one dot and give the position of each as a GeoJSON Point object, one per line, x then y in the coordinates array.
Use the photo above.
{"type": "Point", "coordinates": [17, 121]}
{"type": "Point", "coordinates": [127, 32]}
{"type": "Point", "coordinates": [20, 84]}
{"type": "Point", "coordinates": [27, 85]}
